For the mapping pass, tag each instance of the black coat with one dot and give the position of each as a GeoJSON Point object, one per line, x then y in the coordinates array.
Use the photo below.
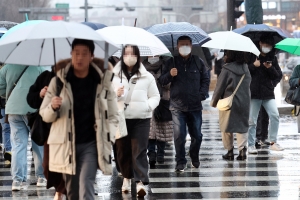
{"type": "Point", "coordinates": [190, 85]}
{"type": "Point", "coordinates": [33, 97]}
{"type": "Point", "coordinates": [235, 120]}
{"type": "Point", "coordinates": [264, 80]}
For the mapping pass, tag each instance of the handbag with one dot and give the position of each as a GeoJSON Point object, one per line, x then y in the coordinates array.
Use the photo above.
{"type": "Point", "coordinates": [38, 128]}
{"type": "Point", "coordinates": [225, 104]}
{"type": "Point", "coordinates": [162, 112]}
{"type": "Point", "coordinates": [293, 96]}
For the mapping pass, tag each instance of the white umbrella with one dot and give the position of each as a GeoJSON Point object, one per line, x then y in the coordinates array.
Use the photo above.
{"type": "Point", "coordinates": [231, 41]}
{"type": "Point", "coordinates": [149, 44]}
{"type": "Point", "coordinates": [46, 43]}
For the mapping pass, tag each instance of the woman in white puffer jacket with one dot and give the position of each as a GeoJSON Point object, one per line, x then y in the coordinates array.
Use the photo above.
{"type": "Point", "coordinates": [138, 105]}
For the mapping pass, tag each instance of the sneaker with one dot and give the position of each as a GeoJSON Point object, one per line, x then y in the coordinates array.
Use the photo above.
{"type": "Point", "coordinates": [195, 164]}
{"type": "Point", "coordinates": [140, 189]}
{"type": "Point", "coordinates": [266, 142]}
{"type": "Point", "coordinates": [276, 147]}
{"type": "Point", "coordinates": [16, 186]}
{"type": "Point", "coordinates": [180, 167]}
{"type": "Point", "coordinates": [7, 156]}
{"type": "Point", "coordinates": [252, 150]}
{"type": "Point", "coordinates": [126, 187]}
{"type": "Point", "coordinates": [257, 144]}
{"type": "Point", "coordinates": [41, 182]}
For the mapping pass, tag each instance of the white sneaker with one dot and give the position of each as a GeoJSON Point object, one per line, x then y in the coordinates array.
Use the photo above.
{"type": "Point", "coordinates": [42, 182]}
{"type": "Point", "coordinates": [276, 147]}
{"type": "Point", "coordinates": [126, 187]}
{"type": "Point", "coordinates": [16, 186]}
{"type": "Point", "coordinates": [252, 150]}
{"type": "Point", "coordinates": [140, 189]}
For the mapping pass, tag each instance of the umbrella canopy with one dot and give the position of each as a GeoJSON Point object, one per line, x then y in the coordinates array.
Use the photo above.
{"type": "Point", "coordinates": [231, 41]}
{"type": "Point", "coordinates": [46, 43]}
{"type": "Point", "coordinates": [254, 31]}
{"type": "Point", "coordinates": [94, 26]}
{"type": "Point", "coordinates": [168, 33]}
{"type": "Point", "coordinates": [148, 44]}
{"type": "Point", "coordinates": [291, 45]}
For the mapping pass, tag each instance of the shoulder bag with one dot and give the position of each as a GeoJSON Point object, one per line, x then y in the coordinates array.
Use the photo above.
{"type": "Point", "coordinates": [225, 104]}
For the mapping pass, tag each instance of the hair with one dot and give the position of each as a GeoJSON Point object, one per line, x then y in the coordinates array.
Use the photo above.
{"type": "Point", "coordinates": [136, 67]}
{"type": "Point", "coordinates": [88, 43]}
{"type": "Point", "coordinates": [267, 39]}
{"type": "Point", "coordinates": [184, 37]}
{"type": "Point", "coordinates": [236, 56]}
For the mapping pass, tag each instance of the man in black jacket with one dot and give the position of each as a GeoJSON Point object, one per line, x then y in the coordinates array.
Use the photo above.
{"type": "Point", "coordinates": [264, 71]}
{"type": "Point", "coordinates": [189, 85]}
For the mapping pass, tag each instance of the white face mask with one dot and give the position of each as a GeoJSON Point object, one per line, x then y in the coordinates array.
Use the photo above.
{"type": "Point", "coordinates": [130, 60]}
{"type": "Point", "coordinates": [266, 49]}
{"type": "Point", "coordinates": [153, 60]}
{"type": "Point", "coordinates": [185, 50]}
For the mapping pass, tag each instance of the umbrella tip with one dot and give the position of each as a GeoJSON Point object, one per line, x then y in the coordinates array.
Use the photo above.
{"type": "Point", "coordinates": [26, 17]}
{"type": "Point", "coordinates": [123, 21]}
{"type": "Point", "coordinates": [230, 28]}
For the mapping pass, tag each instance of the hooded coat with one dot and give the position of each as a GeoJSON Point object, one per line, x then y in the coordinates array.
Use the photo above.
{"type": "Point", "coordinates": [62, 135]}
{"type": "Point", "coordinates": [235, 120]}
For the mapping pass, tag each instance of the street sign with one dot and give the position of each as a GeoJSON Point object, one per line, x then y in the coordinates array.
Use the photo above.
{"type": "Point", "coordinates": [62, 5]}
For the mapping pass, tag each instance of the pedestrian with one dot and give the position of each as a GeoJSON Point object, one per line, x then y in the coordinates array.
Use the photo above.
{"type": "Point", "coordinates": [160, 131]}
{"type": "Point", "coordinates": [138, 95]}
{"type": "Point", "coordinates": [15, 81]}
{"type": "Point", "coordinates": [264, 71]}
{"type": "Point", "coordinates": [35, 98]}
{"type": "Point", "coordinates": [236, 119]}
{"type": "Point", "coordinates": [295, 79]}
{"type": "Point", "coordinates": [84, 119]}
{"type": "Point", "coordinates": [189, 86]}
{"type": "Point", "coordinates": [208, 58]}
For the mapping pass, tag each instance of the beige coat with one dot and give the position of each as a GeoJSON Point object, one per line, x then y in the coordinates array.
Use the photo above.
{"type": "Point", "coordinates": [62, 134]}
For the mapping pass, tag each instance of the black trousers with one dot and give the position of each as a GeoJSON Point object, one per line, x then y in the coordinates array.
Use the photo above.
{"type": "Point", "coordinates": [262, 125]}
{"type": "Point", "coordinates": [132, 150]}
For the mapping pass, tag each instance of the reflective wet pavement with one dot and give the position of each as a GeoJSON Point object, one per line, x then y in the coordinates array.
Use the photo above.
{"type": "Point", "coordinates": [268, 175]}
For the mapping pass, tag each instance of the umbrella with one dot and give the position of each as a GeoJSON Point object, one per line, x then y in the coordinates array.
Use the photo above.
{"type": "Point", "coordinates": [254, 31]}
{"type": "Point", "coordinates": [291, 45]}
{"type": "Point", "coordinates": [94, 26]}
{"type": "Point", "coordinates": [168, 33]}
{"type": "Point", "coordinates": [45, 43]}
{"type": "Point", "coordinates": [148, 44]}
{"type": "Point", "coordinates": [231, 41]}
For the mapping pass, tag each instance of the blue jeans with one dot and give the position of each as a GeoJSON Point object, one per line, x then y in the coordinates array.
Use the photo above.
{"type": "Point", "coordinates": [19, 143]}
{"type": "Point", "coordinates": [160, 147]}
{"type": "Point", "coordinates": [271, 108]}
{"type": "Point", "coordinates": [192, 120]}
{"type": "Point", "coordinates": [5, 132]}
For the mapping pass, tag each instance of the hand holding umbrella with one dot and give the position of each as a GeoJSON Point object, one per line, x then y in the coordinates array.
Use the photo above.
{"type": "Point", "coordinates": [173, 72]}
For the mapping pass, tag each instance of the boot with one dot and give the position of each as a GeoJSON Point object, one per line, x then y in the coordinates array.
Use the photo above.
{"type": "Point", "coordinates": [152, 158]}
{"type": "Point", "coordinates": [243, 154]}
{"type": "Point", "coordinates": [229, 155]}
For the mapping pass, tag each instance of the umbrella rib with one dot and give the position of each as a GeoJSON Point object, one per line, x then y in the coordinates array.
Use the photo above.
{"type": "Point", "coordinates": [12, 51]}
{"type": "Point", "coordinates": [68, 41]}
{"type": "Point", "coordinates": [41, 51]}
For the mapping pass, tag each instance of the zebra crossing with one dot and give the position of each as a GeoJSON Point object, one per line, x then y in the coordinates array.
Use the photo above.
{"type": "Point", "coordinates": [268, 175]}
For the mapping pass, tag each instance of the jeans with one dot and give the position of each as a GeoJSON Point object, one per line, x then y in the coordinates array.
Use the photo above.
{"type": "Point", "coordinates": [193, 120]}
{"type": "Point", "coordinates": [81, 185]}
{"type": "Point", "coordinates": [271, 108]}
{"type": "Point", "coordinates": [160, 147]}
{"type": "Point", "coordinates": [19, 141]}
{"type": "Point", "coordinates": [5, 132]}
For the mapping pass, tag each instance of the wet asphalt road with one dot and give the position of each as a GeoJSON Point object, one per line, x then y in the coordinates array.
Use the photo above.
{"type": "Point", "coordinates": [268, 175]}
